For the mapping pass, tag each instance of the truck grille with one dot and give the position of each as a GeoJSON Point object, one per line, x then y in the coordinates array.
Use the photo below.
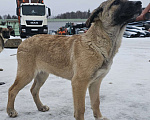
{"type": "Point", "coordinates": [31, 22]}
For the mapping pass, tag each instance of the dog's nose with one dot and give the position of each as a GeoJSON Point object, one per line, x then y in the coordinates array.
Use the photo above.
{"type": "Point", "coordinates": [138, 3]}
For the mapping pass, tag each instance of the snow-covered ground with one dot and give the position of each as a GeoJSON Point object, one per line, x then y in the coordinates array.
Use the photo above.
{"type": "Point", "coordinates": [125, 91]}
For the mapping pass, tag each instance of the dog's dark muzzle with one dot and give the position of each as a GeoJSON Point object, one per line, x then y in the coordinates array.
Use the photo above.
{"type": "Point", "coordinates": [128, 12]}
{"type": "Point", "coordinates": [132, 9]}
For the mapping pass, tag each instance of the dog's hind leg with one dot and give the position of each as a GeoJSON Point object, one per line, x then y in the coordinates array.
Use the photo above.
{"type": "Point", "coordinates": [24, 76]}
{"type": "Point", "coordinates": [38, 82]}
{"type": "Point", "coordinates": [94, 89]}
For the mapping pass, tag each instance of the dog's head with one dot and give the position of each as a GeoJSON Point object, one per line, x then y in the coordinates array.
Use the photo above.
{"type": "Point", "coordinates": [5, 32]}
{"type": "Point", "coordinates": [115, 12]}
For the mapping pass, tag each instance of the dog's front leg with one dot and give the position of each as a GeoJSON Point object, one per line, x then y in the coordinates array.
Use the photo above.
{"type": "Point", "coordinates": [94, 96]}
{"type": "Point", "coordinates": [79, 87]}
{"type": "Point", "coordinates": [94, 89]}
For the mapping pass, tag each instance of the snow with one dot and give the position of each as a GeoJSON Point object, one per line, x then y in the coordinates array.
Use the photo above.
{"type": "Point", "coordinates": [16, 37]}
{"type": "Point", "coordinates": [125, 91]}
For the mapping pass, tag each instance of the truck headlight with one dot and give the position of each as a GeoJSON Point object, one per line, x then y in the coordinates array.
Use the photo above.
{"type": "Point", "coordinates": [23, 30]}
{"type": "Point", "coordinates": [45, 30]}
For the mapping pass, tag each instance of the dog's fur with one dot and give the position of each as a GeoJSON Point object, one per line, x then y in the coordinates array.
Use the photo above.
{"type": "Point", "coordinates": [83, 59]}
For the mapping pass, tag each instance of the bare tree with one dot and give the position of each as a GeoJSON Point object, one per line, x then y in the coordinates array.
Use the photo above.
{"type": "Point", "coordinates": [8, 16]}
{"type": "Point", "coordinates": [14, 17]}
{"type": "Point", "coordinates": [5, 16]}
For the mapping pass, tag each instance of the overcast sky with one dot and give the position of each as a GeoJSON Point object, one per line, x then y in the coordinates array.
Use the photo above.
{"type": "Point", "coordinates": [58, 6]}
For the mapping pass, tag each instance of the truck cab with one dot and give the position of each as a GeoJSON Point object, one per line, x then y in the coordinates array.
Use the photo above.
{"type": "Point", "coordinates": [33, 19]}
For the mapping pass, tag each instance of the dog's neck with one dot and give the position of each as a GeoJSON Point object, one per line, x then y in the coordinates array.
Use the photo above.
{"type": "Point", "coordinates": [107, 39]}
{"type": "Point", "coordinates": [108, 30]}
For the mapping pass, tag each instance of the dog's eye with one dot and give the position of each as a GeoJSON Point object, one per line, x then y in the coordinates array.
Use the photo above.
{"type": "Point", "coordinates": [116, 2]}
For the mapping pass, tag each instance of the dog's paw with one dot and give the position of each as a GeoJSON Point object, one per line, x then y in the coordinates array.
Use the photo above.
{"type": "Point", "coordinates": [44, 108]}
{"type": "Point", "coordinates": [12, 113]}
{"type": "Point", "coordinates": [101, 118]}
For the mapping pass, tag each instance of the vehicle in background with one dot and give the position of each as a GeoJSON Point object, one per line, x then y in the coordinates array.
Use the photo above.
{"type": "Point", "coordinates": [71, 29]}
{"type": "Point", "coordinates": [32, 17]}
{"type": "Point", "coordinates": [134, 29]}
{"type": "Point", "coordinates": [129, 34]}
{"type": "Point", "coordinates": [137, 29]}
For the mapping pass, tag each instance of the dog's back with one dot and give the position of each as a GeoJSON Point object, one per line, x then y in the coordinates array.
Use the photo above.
{"type": "Point", "coordinates": [53, 54]}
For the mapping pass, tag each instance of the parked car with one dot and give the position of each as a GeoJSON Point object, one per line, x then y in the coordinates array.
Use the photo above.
{"type": "Point", "coordinates": [129, 34]}
{"type": "Point", "coordinates": [137, 29]}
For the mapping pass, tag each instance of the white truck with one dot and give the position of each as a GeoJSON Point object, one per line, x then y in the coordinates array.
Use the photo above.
{"type": "Point", "coordinates": [32, 17]}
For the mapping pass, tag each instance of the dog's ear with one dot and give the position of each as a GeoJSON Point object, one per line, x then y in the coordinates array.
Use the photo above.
{"type": "Point", "coordinates": [93, 16]}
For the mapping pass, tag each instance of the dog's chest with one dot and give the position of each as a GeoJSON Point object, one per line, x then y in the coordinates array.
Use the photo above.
{"type": "Point", "coordinates": [102, 71]}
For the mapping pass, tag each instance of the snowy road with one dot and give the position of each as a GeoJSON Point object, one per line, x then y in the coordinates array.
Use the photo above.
{"type": "Point", "coordinates": [125, 91]}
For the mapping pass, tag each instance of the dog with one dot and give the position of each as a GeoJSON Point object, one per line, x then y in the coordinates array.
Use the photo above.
{"type": "Point", "coordinates": [1, 43]}
{"type": "Point", "coordinates": [84, 59]}
{"type": "Point", "coordinates": [4, 34]}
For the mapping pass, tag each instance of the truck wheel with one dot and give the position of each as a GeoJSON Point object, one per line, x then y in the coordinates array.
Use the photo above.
{"type": "Point", "coordinates": [22, 36]}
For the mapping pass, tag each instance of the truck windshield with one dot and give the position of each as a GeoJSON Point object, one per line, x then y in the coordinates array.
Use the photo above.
{"type": "Point", "coordinates": [35, 10]}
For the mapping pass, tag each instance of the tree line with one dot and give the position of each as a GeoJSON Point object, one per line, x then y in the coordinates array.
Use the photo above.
{"type": "Point", "coordinates": [67, 15]}
{"type": "Point", "coordinates": [8, 17]}
{"type": "Point", "coordinates": [74, 15]}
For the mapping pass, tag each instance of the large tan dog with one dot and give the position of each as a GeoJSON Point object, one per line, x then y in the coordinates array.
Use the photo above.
{"type": "Point", "coordinates": [83, 59]}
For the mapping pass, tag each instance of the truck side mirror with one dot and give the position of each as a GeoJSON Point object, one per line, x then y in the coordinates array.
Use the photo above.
{"type": "Point", "coordinates": [49, 12]}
